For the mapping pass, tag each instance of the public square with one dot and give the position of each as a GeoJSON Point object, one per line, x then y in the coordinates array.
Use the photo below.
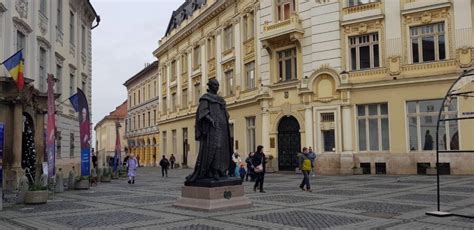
{"type": "Point", "coordinates": [337, 202]}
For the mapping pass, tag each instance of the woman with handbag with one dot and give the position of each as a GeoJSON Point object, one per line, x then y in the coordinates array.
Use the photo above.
{"type": "Point", "coordinates": [258, 162]}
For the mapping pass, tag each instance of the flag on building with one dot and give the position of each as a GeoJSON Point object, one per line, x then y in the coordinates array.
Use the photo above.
{"type": "Point", "coordinates": [51, 133]}
{"type": "Point", "coordinates": [15, 65]}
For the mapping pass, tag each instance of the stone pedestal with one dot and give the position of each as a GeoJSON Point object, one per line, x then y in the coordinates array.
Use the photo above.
{"type": "Point", "coordinates": [213, 198]}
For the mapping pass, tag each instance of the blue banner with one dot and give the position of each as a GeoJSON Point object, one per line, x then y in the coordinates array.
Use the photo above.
{"type": "Point", "coordinates": [85, 132]}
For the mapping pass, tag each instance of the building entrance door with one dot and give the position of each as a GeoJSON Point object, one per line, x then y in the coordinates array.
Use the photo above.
{"type": "Point", "coordinates": [28, 155]}
{"type": "Point", "coordinates": [329, 141]}
{"type": "Point", "coordinates": [289, 143]}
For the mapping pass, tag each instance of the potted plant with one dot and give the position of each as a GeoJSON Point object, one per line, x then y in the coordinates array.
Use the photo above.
{"type": "Point", "coordinates": [106, 177]}
{"type": "Point", "coordinates": [357, 171]}
{"type": "Point", "coordinates": [37, 190]}
{"type": "Point", "coordinates": [82, 183]}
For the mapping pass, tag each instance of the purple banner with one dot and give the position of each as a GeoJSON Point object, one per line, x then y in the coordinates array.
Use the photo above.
{"type": "Point", "coordinates": [85, 132]}
{"type": "Point", "coordinates": [50, 133]}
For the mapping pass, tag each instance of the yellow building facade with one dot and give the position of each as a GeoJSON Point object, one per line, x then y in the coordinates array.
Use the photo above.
{"type": "Point", "coordinates": [141, 130]}
{"type": "Point", "coordinates": [359, 81]}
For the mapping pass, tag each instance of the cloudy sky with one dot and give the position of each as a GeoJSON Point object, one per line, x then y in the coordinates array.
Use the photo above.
{"type": "Point", "coordinates": [124, 41]}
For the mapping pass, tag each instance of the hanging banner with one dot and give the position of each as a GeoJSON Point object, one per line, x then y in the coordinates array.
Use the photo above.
{"type": "Point", "coordinates": [79, 102]}
{"type": "Point", "coordinates": [50, 134]}
{"type": "Point", "coordinates": [2, 138]}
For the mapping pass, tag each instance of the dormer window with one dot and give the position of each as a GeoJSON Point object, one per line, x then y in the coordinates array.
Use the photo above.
{"type": "Point", "coordinates": [284, 9]}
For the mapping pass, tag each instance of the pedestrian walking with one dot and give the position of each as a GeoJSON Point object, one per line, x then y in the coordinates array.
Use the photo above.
{"type": "Point", "coordinates": [249, 168]}
{"type": "Point", "coordinates": [172, 160]}
{"type": "Point", "coordinates": [312, 157]}
{"type": "Point", "coordinates": [259, 168]}
{"type": "Point", "coordinates": [164, 163]}
{"type": "Point", "coordinates": [305, 166]}
{"type": "Point", "coordinates": [237, 162]}
{"type": "Point", "coordinates": [132, 165]}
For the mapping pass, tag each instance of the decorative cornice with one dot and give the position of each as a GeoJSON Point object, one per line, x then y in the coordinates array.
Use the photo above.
{"type": "Point", "coordinates": [2, 8]}
{"type": "Point", "coordinates": [21, 25]}
{"type": "Point", "coordinates": [21, 6]}
{"type": "Point", "coordinates": [43, 42]}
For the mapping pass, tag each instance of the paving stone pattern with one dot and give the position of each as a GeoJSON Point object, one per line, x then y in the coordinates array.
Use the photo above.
{"type": "Point", "coordinates": [196, 227]}
{"type": "Point", "coordinates": [337, 202]}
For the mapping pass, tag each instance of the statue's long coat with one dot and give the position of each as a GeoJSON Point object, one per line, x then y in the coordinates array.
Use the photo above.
{"type": "Point", "coordinates": [215, 147]}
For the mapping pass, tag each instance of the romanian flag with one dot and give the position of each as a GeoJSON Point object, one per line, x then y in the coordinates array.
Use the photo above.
{"type": "Point", "coordinates": [15, 65]}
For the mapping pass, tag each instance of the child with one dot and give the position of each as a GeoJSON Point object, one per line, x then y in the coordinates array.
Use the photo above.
{"type": "Point", "coordinates": [242, 172]}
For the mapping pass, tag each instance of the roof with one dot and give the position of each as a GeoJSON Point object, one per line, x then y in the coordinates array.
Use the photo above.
{"type": "Point", "coordinates": [147, 69]}
{"type": "Point", "coordinates": [119, 113]}
{"type": "Point", "coordinates": [183, 12]}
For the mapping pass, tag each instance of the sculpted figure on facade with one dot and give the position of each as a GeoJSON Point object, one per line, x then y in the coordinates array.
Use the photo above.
{"type": "Point", "coordinates": [212, 132]}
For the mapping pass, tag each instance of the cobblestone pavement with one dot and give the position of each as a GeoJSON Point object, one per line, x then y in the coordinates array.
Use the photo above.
{"type": "Point", "coordinates": [337, 202]}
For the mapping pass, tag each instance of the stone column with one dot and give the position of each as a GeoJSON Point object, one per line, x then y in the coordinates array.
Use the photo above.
{"type": "Point", "coordinates": [308, 125]}
{"type": "Point", "coordinates": [346, 129]}
{"type": "Point", "coordinates": [204, 76]}
{"type": "Point", "coordinates": [219, 56]}
{"type": "Point", "coordinates": [178, 82]}
{"type": "Point", "coordinates": [238, 81]}
{"type": "Point", "coordinates": [266, 129]}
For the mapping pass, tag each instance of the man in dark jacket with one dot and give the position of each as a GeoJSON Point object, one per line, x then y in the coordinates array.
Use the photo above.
{"type": "Point", "coordinates": [258, 163]}
{"type": "Point", "coordinates": [164, 163]}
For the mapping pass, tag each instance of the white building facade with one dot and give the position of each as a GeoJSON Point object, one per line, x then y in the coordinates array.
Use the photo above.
{"type": "Point", "coordinates": [55, 36]}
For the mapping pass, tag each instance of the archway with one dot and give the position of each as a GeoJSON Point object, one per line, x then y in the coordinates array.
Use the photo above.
{"type": "Point", "coordinates": [28, 147]}
{"type": "Point", "coordinates": [289, 143]}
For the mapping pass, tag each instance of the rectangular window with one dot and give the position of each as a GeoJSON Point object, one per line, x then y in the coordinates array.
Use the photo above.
{"type": "Point", "coordinates": [284, 9]}
{"type": "Point", "coordinates": [138, 121]}
{"type": "Point", "coordinates": [71, 144]}
{"type": "Point", "coordinates": [154, 89]}
{"type": "Point", "coordinates": [71, 28]}
{"type": "Point", "coordinates": [228, 38]}
{"type": "Point", "coordinates": [184, 63]}
{"type": "Point", "coordinates": [42, 70]}
{"type": "Point", "coordinates": [287, 64]}
{"type": "Point", "coordinates": [211, 49]}
{"type": "Point", "coordinates": [20, 41]}
{"type": "Point", "coordinates": [250, 75]}
{"type": "Point", "coordinates": [428, 43]}
{"type": "Point", "coordinates": [58, 144]}
{"type": "Point", "coordinates": [422, 121]}
{"type": "Point", "coordinates": [250, 134]}
{"type": "Point", "coordinates": [197, 57]}
{"type": "Point", "coordinates": [59, 15]}
{"type": "Point", "coordinates": [143, 124]}
{"type": "Point", "coordinates": [149, 92]}
{"type": "Point", "coordinates": [84, 86]}
{"type": "Point", "coordinates": [184, 98]}
{"type": "Point", "coordinates": [173, 70]}
{"type": "Point", "coordinates": [149, 119]}
{"type": "Point", "coordinates": [373, 130]}
{"type": "Point", "coordinates": [165, 105]}
{"type": "Point", "coordinates": [59, 76]}
{"type": "Point", "coordinates": [360, 2]}
{"type": "Point", "coordinates": [364, 51]}
{"type": "Point", "coordinates": [154, 117]}
{"type": "Point", "coordinates": [83, 39]}
{"type": "Point", "coordinates": [197, 93]}
{"type": "Point", "coordinates": [139, 96]}
{"type": "Point", "coordinates": [229, 83]}
{"type": "Point", "coordinates": [173, 102]}
{"type": "Point", "coordinates": [164, 143]}
{"type": "Point", "coordinates": [175, 143]}
{"type": "Point", "coordinates": [72, 84]}
{"type": "Point", "coordinates": [43, 7]}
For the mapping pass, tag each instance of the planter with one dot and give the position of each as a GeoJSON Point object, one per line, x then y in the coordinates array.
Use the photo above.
{"type": "Point", "coordinates": [82, 185]}
{"type": "Point", "coordinates": [105, 178]}
{"type": "Point", "coordinates": [36, 197]}
{"type": "Point", "coordinates": [431, 171]}
{"type": "Point", "coordinates": [357, 171]}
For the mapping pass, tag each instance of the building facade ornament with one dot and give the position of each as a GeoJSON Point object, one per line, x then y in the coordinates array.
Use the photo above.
{"type": "Point", "coordinates": [43, 23]}
{"type": "Point", "coordinates": [43, 42]}
{"type": "Point", "coordinates": [2, 8]}
{"type": "Point", "coordinates": [21, 25]}
{"type": "Point", "coordinates": [21, 6]}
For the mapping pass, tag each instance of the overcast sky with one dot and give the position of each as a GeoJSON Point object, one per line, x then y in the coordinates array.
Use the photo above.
{"type": "Point", "coordinates": [128, 33]}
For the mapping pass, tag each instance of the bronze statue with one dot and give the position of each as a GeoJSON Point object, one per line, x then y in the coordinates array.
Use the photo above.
{"type": "Point", "coordinates": [212, 132]}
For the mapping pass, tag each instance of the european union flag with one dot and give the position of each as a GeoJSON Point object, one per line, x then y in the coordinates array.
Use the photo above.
{"type": "Point", "coordinates": [74, 99]}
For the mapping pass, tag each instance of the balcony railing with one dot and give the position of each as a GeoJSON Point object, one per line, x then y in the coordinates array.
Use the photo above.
{"type": "Point", "coordinates": [293, 24]}
{"type": "Point", "coordinates": [362, 7]}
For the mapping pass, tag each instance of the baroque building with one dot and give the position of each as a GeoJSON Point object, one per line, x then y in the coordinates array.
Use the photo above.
{"type": "Point", "coordinates": [141, 130]}
{"type": "Point", "coordinates": [359, 81]}
{"type": "Point", "coordinates": [106, 134]}
{"type": "Point", "coordinates": [56, 39]}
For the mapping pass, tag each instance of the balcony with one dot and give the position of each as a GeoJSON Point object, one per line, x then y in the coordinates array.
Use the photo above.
{"type": "Point", "coordinates": [287, 30]}
{"type": "Point", "coordinates": [363, 11]}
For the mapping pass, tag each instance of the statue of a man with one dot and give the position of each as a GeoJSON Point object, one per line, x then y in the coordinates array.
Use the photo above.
{"type": "Point", "coordinates": [212, 132]}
